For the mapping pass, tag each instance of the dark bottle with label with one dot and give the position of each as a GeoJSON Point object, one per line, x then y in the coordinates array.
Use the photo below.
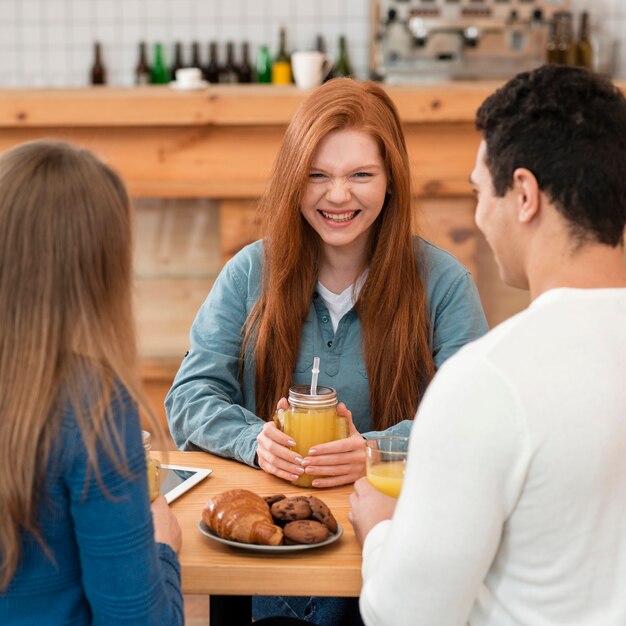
{"type": "Point", "coordinates": [178, 59]}
{"type": "Point", "coordinates": [584, 48]}
{"type": "Point", "coordinates": [98, 71]}
{"type": "Point", "coordinates": [212, 70]}
{"type": "Point", "coordinates": [159, 74]}
{"type": "Point", "coordinates": [229, 73]}
{"type": "Point", "coordinates": [245, 69]}
{"type": "Point", "coordinates": [263, 66]}
{"type": "Point", "coordinates": [342, 66]}
{"type": "Point", "coordinates": [281, 67]}
{"type": "Point", "coordinates": [142, 69]}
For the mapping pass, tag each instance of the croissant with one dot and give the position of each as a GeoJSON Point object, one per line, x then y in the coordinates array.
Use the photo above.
{"type": "Point", "coordinates": [241, 515]}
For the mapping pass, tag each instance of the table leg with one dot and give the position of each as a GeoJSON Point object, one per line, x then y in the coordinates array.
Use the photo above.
{"type": "Point", "coordinates": [230, 610]}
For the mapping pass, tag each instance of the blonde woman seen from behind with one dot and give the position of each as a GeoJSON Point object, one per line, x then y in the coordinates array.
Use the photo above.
{"type": "Point", "coordinates": [78, 539]}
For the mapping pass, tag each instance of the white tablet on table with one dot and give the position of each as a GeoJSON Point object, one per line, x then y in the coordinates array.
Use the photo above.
{"type": "Point", "coordinates": [177, 479]}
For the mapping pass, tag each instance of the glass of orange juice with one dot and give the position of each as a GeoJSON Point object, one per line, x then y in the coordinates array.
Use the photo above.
{"type": "Point", "coordinates": [386, 463]}
{"type": "Point", "coordinates": [153, 466]}
{"type": "Point", "coordinates": [311, 419]}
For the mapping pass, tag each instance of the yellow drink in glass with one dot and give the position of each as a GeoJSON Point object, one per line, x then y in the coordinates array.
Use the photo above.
{"type": "Point", "coordinates": [385, 463]}
{"type": "Point", "coordinates": [309, 421]}
{"type": "Point", "coordinates": [387, 477]}
{"type": "Point", "coordinates": [153, 466]}
{"type": "Point", "coordinates": [309, 427]}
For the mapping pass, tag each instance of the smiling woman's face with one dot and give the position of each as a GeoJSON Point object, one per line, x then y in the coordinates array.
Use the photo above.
{"type": "Point", "coordinates": [346, 189]}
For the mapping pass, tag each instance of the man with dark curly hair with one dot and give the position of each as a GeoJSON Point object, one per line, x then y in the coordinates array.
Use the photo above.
{"type": "Point", "coordinates": [513, 509]}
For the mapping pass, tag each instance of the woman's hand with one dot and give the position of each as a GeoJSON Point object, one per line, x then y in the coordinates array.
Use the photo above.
{"type": "Point", "coordinates": [339, 462]}
{"type": "Point", "coordinates": [166, 526]}
{"type": "Point", "coordinates": [273, 453]}
{"type": "Point", "coordinates": [369, 507]}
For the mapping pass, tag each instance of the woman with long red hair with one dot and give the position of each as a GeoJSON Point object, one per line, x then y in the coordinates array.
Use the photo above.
{"type": "Point", "coordinates": [339, 275]}
{"type": "Point", "coordinates": [337, 244]}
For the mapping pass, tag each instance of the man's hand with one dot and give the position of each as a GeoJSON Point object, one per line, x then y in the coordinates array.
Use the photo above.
{"type": "Point", "coordinates": [369, 507]}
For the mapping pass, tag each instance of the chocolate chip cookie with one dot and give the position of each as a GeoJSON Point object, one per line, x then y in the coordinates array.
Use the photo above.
{"type": "Point", "coordinates": [290, 509]}
{"type": "Point", "coordinates": [305, 531]}
{"type": "Point", "coordinates": [275, 498]}
{"type": "Point", "coordinates": [321, 513]}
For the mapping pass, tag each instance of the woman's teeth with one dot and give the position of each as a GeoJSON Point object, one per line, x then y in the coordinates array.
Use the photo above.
{"type": "Point", "coordinates": [339, 217]}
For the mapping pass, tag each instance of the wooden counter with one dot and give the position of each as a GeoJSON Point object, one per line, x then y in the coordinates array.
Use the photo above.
{"type": "Point", "coordinates": [221, 142]}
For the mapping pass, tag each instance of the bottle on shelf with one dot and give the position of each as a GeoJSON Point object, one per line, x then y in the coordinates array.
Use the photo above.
{"type": "Point", "coordinates": [229, 73]}
{"type": "Point", "coordinates": [584, 48]}
{"type": "Point", "coordinates": [212, 70]}
{"type": "Point", "coordinates": [159, 74]}
{"type": "Point", "coordinates": [342, 66]}
{"type": "Point", "coordinates": [263, 66]}
{"type": "Point", "coordinates": [281, 67]}
{"type": "Point", "coordinates": [552, 49]}
{"type": "Point", "coordinates": [178, 60]}
{"type": "Point", "coordinates": [195, 57]}
{"type": "Point", "coordinates": [320, 46]}
{"type": "Point", "coordinates": [98, 75]}
{"type": "Point", "coordinates": [142, 69]}
{"type": "Point", "coordinates": [245, 69]}
{"type": "Point", "coordinates": [565, 44]}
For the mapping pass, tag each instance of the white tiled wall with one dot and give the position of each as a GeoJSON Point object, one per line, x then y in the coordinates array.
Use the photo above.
{"type": "Point", "coordinates": [49, 42]}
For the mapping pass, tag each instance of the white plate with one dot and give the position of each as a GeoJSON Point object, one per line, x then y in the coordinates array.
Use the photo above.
{"type": "Point", "coordinates": [204, 529]}
{"type": "Point", "coordinates": [199, 85]}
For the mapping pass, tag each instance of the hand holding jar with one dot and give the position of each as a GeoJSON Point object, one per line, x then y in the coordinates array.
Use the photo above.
{"type": "Point", "coordinates": [312, 441]}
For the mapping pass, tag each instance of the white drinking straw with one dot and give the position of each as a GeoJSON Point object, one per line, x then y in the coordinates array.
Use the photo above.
{"type": "Point", "coordinates": [315, 371]}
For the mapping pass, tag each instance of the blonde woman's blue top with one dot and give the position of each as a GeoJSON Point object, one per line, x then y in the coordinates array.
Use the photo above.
{"type": "Point", "coordinates": [210, 408]}
{"type": "Point", "coordinates": [101, 566]}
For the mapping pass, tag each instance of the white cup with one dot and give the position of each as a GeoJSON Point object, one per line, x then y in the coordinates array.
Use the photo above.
{"type": "Point", "coordinates": [309, 68]}
{"type": "Point", "coordinates": [188, 77]}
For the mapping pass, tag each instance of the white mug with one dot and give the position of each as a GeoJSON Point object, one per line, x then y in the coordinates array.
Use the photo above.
{"type": "Point", "coordinates": [309, 68]}
{"type": "Point", "coordinates": [188, 76]}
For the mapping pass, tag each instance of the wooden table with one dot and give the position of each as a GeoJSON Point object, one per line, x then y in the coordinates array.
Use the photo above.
{"type": "Point", "coordinates": [220, 571]}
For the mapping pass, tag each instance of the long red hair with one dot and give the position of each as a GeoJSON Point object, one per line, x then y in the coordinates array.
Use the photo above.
{"type": "Point", "coordinates": [392, 303]}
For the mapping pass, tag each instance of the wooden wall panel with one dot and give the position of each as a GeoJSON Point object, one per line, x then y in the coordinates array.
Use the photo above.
{"type": "Point", "coordinates": [235, 162]}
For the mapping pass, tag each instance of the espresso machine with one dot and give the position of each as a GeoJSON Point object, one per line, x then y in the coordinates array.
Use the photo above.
{"type": "Point", "coordinates": [427, 40]}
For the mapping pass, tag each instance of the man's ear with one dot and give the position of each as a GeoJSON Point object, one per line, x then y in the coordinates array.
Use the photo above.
{"type": "Point", "coordinates": [527, 194]}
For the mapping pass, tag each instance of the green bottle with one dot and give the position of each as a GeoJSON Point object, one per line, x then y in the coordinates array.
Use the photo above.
{"type": "Point", "coordinates": [342, 67]}
{"type": "Point", "coordinates": [159, 74]}
{"type": "Point", "coordinates": [264, 65]}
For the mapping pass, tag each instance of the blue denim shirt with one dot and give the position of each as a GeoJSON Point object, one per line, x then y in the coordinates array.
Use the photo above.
{"type": "Point", "coordinates": [209, 408]}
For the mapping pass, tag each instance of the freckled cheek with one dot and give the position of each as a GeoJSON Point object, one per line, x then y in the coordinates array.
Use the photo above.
{"type": "Point", "coordinates": [310, 199]}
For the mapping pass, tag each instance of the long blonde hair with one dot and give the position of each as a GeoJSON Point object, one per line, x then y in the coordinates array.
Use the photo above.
{"type": "Point", "coordinates": [392, 303]}
{"type": "Point", "coordinates": [66, 325]}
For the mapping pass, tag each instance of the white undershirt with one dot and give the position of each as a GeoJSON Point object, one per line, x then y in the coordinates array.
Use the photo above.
{"type": "Point", "coordinates": [339, 304]}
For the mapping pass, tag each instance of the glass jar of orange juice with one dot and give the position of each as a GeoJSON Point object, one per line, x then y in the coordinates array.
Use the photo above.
{"type": "Point", "coordinates": [153, 467]}
{"type": "Point", "coordinates": [311, 420]}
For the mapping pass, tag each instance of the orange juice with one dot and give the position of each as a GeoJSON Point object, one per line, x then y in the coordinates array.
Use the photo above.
{"type": "Point", "coordinates": [309, 427]}
{"type": "Point", "coordinates": [387, 477]}
{"type": "Point", "coordinates": [310, 420]}
{"type": "Point", "coordinates": [153, 467]}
